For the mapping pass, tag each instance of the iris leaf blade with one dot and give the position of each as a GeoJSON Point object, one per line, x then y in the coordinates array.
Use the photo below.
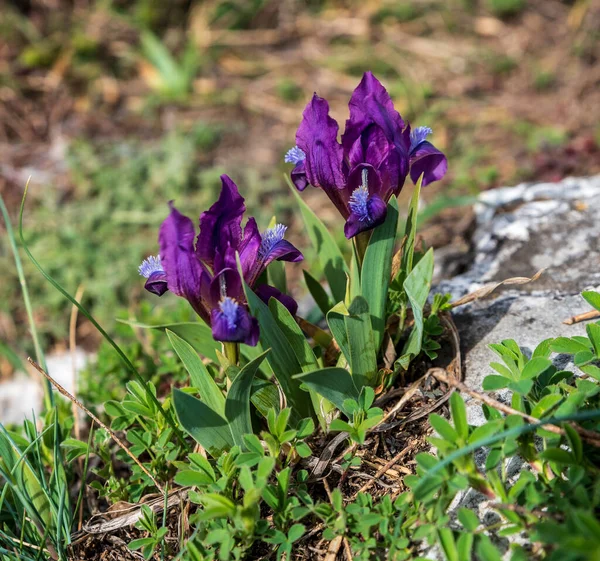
{"type": "Point", "coordinates": [417, 286]}
{"type": "Point", "coordinates": [302, 350]}
{"type": "Point", "coordinates": [199, 376]}
{"type": "Point", "coordinates": [361, 347]}
{"type": "Point", "coordinates": [334, 384]}
{"type": "Point", "coordinates": [198, 335]}
{"type": "Point", "coordinates": [328, 252]}
{"type": "Point", "coordinates": [376, 270]}
{"type": "Point", "coordinates": [282, 359]}
{"type": "Point", "coordinates": [237, 404]}
{"type": "Point", "coordinates": [203, 424]}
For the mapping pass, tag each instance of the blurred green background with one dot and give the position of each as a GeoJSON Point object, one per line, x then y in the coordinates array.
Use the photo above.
{"type": "Point", "coordinates": [116, 107]}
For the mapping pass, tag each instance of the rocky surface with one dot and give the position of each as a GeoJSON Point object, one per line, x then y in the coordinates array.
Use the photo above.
{"type": "Point", "coordinates": [23, 394]}
{"type": "Point", "coordinates": [519, 231]}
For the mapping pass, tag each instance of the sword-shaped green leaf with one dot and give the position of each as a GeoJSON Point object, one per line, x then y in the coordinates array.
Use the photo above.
{"type": "Point", "coordinates": [237, 404]}
{"type": "Point", "coordinates": [203, 424]}
{"type": "Point", "coordinates": [199, 376]}
{"type": "Point", "coordinates": [376, 270]}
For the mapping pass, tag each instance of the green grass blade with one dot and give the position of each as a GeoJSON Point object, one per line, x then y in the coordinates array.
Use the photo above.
{"type": "Point", "coordinates": [128, 364]}
{"type": "Point", "coordinates": [84, 472]}
{"type": "Point", "coordinates": [39, 354]}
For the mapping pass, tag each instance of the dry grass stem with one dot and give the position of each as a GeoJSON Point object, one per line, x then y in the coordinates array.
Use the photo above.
{"type": "Point", "coordinates": [594, 314]}
{"type": "Point", "coordinates": [107, 429]}
{"type": "Point", "coordinates": [489, 288]}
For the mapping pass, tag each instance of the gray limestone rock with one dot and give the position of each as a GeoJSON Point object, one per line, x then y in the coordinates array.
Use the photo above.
{"type": "Point", "coordinates": [519, 231]}
{"type": "Point", "coordinates": [23, 394]}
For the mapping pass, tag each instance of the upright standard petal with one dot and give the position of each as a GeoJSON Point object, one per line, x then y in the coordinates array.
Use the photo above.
{"type": "Point", "coordinates": [221, 224]}
{"type": "Point", "coordinates": [227, 283]}
{"type": "Point", "coordinates": [182, 268]}
{"type": "Point", "coordinates": [371, 104]}
{"type": "Point", "coordinates": [317, 138]}
{"type": "Point", "coordinates": [249, 247]}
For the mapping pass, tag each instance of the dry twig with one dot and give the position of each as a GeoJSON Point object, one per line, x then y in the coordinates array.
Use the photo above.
{"type": "Point", "coordinates": [383, 469]}
{"type": "Point", "coordinates": [594, 314]}
{"type": "Point", "coordinates": [107, 429]}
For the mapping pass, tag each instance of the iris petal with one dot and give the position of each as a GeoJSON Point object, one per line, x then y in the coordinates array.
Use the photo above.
{"type": "Point", "coordinates": [317, 138]}
{"type": "Point", "coordinates": [249, 247]}
{"type": "Point", "coordinates": [272, 247]}
{"type": "Point", "coordinates": [222, 223]}
{"type": "Point", "coordinates": [372, 215]}
{"type": "Point", "coordinates": [157, 283]}
{"type": "Point", "coordinates": [371, 104]}
{"type": "Point", "coordinates": [298, 175]}
{"type": "Point", "coordinates": [265, 292]}
{"type": "Point", "coordinates": [231, 322]}
{"type": "Point", "coordinates": [428, 160]}
{"type": "Point", "coordinates": [183, 270]}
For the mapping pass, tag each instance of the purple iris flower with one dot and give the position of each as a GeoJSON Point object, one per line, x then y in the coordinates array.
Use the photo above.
{"type": "Point", "coordinates": [203, 270]}
{"type": "Point", "coordinates": [151, 269]}
{"type": "Point", "coordinates": [377, 152]}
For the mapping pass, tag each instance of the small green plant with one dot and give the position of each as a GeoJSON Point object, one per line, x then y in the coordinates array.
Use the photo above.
{"type": "Point", "coordinates": [289, 90]}
{"type": "Point", "coordinates": [362, 416]}
{"type": "Point", "coordinates": [156, 535]}
{"type": "Point", "coordinates": [173, 79]}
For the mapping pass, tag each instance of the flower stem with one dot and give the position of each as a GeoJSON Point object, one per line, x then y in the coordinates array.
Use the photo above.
{"type": "Point", "coordinates": [361, 241]}
{"type": "Point", "coordinates": [232, 352]}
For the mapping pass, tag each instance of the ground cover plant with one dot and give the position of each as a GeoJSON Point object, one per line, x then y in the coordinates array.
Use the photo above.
{"type": "Point", "coordinates": [246, 431]}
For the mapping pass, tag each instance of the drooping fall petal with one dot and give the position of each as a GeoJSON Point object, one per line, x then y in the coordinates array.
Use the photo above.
{"type": "Point", "coordinates": [265, 292]}
{"type": "Point", "coordinates": [231, 322]}
{"type": "Point", "coordinates": [426, 159]}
